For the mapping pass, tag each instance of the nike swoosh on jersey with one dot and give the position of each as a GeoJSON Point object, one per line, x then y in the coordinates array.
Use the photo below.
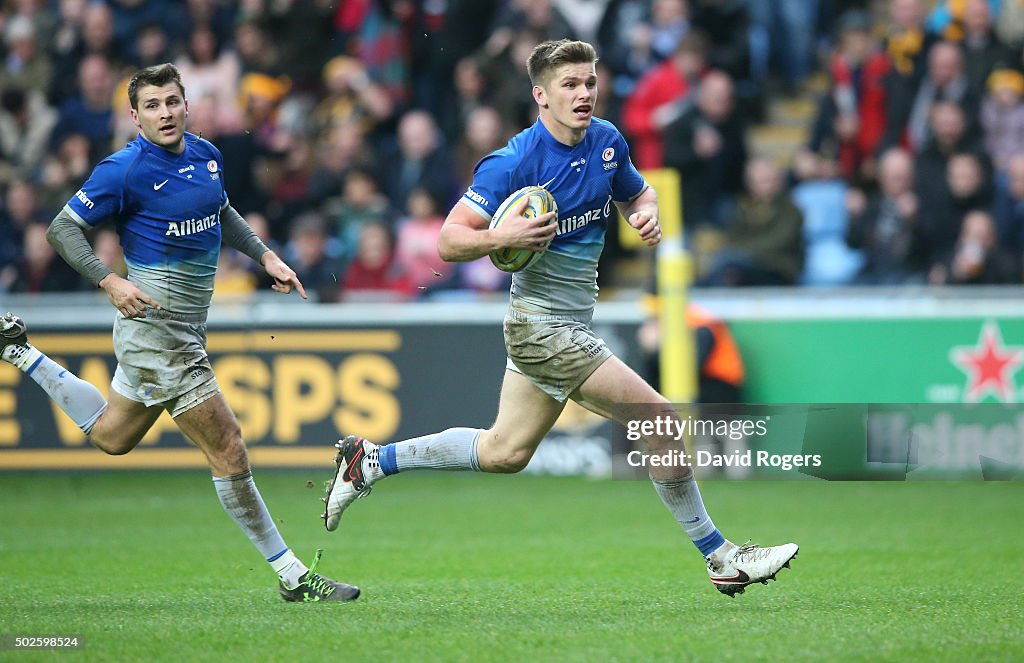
{"type": "Point", "coordinates": [545, 185]}
{"type": "Point", "coordinates": [156, 187]}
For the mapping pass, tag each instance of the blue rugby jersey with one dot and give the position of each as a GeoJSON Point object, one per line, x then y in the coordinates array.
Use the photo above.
{"type": "Point", "coordinates": [584, 180]}
{"type": "Point", "coordinates": [166, 208]}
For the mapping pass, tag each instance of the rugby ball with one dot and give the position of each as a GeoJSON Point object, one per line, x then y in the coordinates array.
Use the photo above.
{"type": "Point", "coordinates": [541, 202]}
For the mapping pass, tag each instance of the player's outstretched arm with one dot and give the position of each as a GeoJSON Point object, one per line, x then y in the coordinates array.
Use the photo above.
{"type": "Point", "coordinates": [642, 214]}
{"type": "Point", "coordinates": [239, 235]}
{"type": "Point", "coordinates": [283, 275]}
{"type": "Point", "coordinates": [466, 235]}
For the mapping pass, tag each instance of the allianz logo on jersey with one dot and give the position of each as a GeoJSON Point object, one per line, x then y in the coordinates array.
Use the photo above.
{"type": "Point", "coordinates": [577, 221]}
{"type": "Point", "coordinates": [191, 226]}
{"type": "Point", "coordinates": [186, 169]}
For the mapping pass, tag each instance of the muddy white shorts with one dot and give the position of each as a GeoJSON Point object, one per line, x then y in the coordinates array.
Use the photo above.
{"type": "Point", "coordinates": [556, 352]}
{"type": "Point", "coordinates": [162, 360]}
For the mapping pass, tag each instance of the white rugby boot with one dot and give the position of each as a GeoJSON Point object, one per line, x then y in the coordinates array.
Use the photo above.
{"type": "Point", "coordinates": [357, 469]}
{"type": "Point", "coordinates": [744, 565]}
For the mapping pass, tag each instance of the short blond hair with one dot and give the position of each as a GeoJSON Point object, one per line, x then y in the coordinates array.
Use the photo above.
{"type": "Point", "coordinates": [549, 55]}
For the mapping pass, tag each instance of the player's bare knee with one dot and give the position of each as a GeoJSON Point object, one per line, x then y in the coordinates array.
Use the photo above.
{"type": "Point", "coordinates": [232, 435]}
{"type": "Point", "coordinates": [113, 450]}
{"type": "Point", "coordinates": [510, 462]}
{"type": "Point", "coordinates": [231, 457]}
{"type": "Point", "coordinates": [503, 454]}
{"type": "Point", "coordinates": [111, 445]}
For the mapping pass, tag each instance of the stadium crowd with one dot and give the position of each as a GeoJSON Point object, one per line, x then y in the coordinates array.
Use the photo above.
{"type": "Point", "coordinates": [349, 128]}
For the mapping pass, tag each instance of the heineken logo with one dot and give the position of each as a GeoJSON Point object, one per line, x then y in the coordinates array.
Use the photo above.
{"type": "Point", "coordinates": [990, 366]}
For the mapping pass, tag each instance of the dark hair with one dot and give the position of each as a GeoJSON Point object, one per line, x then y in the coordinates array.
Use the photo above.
{"type": "Point", "coordinates": [13, 100]}
{"type": "Point", "coordinates": [549, 55]}
{"type": "Point", "coordinates": [216, 42]}
{"type": "Point", "coordinates": [158, 75]}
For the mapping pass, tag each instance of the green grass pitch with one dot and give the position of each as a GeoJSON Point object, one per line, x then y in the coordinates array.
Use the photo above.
{"type": "Point", "coordinates": [146, 567]}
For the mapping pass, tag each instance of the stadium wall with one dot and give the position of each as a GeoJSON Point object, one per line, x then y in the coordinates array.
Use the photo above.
{"type": "Point", "coordinates": [299, 376]}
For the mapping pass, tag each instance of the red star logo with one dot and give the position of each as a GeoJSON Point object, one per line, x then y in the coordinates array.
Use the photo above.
{"type": "Point", "coordinates": [990, 366]}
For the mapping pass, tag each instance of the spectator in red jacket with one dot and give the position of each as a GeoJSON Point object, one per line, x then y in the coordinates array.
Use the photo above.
{"type": "Point", "coordinates": [662, 96]}
{"type": "Point", "coordinates": [375, 272]}
{"type": "Point", "coordinates": [852, 116]}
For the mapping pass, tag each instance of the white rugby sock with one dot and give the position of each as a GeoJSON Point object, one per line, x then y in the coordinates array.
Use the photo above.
{"type": "Point", "coordinates": [682, 497]}
{"type": "Point", "coordinates": [240, 498]}
{"type": "Point", "coordinates": [452, 449]}
{"type": "Point", "coordinates": [80, 400]}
